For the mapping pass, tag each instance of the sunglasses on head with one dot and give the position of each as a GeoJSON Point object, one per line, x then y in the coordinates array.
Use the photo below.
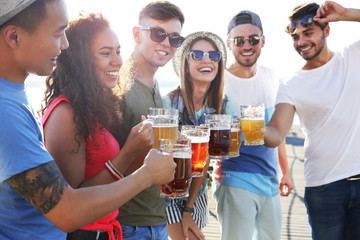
{"type": "Point", "coordinates": [240, 41]}
{"type": "Point", "coordinates": [306, 21]}
{"type": "Point", "coordinates": [159, 35]}
{"type": "Point", "coordinates": [199, 56]}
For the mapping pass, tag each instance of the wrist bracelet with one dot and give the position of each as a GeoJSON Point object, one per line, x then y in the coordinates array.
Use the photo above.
{"type": "Point", "coordinates": [115, 169]}
{"type": "Point", "coordinates": [112, 172]}
{"type": "Point", "coordinates": [188, 209]}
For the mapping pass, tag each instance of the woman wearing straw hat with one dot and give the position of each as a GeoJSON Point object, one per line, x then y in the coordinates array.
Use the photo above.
{"type": "Point", "coordinates": [199, 63]}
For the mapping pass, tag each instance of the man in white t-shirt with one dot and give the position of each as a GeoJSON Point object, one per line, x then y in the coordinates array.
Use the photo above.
{"type": "Point", "coordinates": [246, 188]}
{"type": "Point", "coordinates": [324, 94]}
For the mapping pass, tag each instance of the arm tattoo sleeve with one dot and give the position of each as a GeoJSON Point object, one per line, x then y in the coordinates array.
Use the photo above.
{"type": "Point", "coordinates": [41, 186]}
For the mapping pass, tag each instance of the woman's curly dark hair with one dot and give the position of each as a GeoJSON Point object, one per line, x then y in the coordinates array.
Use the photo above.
{"type": "Point", "coordinates": [75, 78]}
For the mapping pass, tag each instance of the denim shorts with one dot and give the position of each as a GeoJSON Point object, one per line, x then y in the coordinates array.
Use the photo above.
{"type": "Point", "coordinates": [334, 210]}
{"type": "Point", "coordinates": [144, 233]}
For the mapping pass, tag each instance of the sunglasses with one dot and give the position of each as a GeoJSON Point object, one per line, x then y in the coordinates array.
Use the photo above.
{"type": "Point", "coordinates": [199, 56]}
{"type": "Point", "coordinates": [306, 21]}
{"type": "Point", "coordinates": [159, 35]}
{"type": "Point", "coordinates": [240, 41]}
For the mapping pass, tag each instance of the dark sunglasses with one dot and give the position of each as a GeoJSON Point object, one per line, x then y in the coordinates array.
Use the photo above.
{"type": "Point", "coordinates": [306, 21]}
{"type": "Point", "coordinates": [159, 35]}
{"type": "Point", "coordinates": [240, 41]}
{"type": "Point", "coordinates": [199, 56]}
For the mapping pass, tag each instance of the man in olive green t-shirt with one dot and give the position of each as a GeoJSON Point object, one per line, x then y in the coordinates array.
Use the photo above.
{"type": "Point", "coordinates": [143, 217]}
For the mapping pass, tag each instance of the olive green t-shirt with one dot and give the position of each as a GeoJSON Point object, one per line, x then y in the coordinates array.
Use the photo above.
{"type": "Point", "coordinates": [147, 208]}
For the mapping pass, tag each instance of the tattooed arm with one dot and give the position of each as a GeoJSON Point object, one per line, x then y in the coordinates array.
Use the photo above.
{"type": "Point", "coordinates": [42, 186]}
{"type": "Point", "coordinates": [69, 209]}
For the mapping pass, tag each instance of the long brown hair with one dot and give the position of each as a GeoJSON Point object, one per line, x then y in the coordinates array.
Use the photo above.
{"type": "Point", "coordinates": [215, 94]}
{"type": "Point", "coordinates": [74, 78]}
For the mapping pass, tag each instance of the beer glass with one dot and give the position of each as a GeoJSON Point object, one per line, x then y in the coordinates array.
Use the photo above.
{"type": "Point", "coordinates": [164, 123]}
{"type": "Point", "coordinates": [253, 123]}
{"type": "Point", "coordinates": [180, 149]}
{"type": "Point", "coordinates": [220, 135]}
{"type": "Point", "coordinates": [199, 149]}
{"type": "Point", "coordinates": [235, 142]}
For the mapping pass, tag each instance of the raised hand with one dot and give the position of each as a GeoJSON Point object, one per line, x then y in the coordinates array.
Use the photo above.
{"type": "Point", "coordinates": [160, 166]}
{"type": "Point", "coordinates": [330, 12]}
{"type": "Point", "coordinates": [140, 139]}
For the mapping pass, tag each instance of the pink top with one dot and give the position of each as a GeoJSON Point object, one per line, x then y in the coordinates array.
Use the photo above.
{"type": "Point", "coordinates": [98, 152]}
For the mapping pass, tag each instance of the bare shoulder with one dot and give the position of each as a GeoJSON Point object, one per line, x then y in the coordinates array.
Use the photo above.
{"type": "Point", "coordinates": [63, 111]}
{"type": "Point", "coordinates": [42, 186]}
{"type": "Point", "coordinates": [60, 129]}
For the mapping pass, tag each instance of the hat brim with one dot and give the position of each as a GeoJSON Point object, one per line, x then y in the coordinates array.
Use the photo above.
{"type": "Point", "coordinates": [181, 52]}
{"type": "Point", "coordinates": [10, 8]}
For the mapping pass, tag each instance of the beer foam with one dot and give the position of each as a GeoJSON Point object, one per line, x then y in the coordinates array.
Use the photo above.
{"type": "Point", "coordinates": [253, 119]}
{"type": "Point", "coordinates": [164, 125]}
{"type": "Point", "coordinates": [198, 139]}
{"type": "Point", "coordinates": [219, 128]}
{"type": "Point", "coordinates": [182, 154]}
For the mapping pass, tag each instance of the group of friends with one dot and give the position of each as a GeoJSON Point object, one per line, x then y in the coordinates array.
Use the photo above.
{"type": "Point", "coordinates": [87, 169]}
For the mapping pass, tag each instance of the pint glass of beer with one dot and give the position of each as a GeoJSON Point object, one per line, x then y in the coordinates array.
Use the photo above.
{"type": "Point", "coordinates": [253, 123]}
{"type": "Point", "coordinates": [199, 149]}
{"type": "Point", "coordinates": [220, 135]}
{"type": "Point", "coordinates": [164, 123]}
{"type": "Point", "coordinates": [235, 137]}
{"type": "Point", "coordinates": [180, 149]}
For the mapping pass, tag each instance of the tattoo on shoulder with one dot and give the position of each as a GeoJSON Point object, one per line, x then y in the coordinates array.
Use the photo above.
{"type": "Point", "coordinates": [42, 186]}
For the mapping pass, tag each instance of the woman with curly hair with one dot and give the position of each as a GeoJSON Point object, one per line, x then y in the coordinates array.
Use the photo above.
{"type": "Point", "coordinates": [81, 118]}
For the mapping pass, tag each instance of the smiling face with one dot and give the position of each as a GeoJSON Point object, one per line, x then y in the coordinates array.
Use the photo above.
{"type": "Point", "coordinates": [309, 42]}
{"type": "Point", "coordinates": [247, 54]}
{"type": "Point", "coordinates": [105, 49]}
{"type": "Point", "coordinates": [38, 51]}
{"type": "Point", "coordinates": [204, 71]}
{"type": "Point", "coordinates": [157, 54]}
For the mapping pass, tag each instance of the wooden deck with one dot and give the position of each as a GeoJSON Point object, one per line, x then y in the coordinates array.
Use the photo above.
{"type": "Point", "coordinates": [295, 224]}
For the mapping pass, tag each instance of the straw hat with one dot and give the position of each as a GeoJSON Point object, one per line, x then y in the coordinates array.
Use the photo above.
{"type": "Point", "coordinates": [10, 8]}
{"type": "Point", "coordinates": [181, 52]}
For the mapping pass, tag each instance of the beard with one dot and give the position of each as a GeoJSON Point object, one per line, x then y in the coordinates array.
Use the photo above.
{"type": "Point", "coordinates": [247, 63]}
{"type": "Point", "coordinates": [321, 45]}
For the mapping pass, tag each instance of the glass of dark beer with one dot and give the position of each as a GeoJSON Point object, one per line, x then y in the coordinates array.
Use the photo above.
{"type": "Point", "coordinates": [220, 135]}
{"type": "Point", "coordinates": [180, 149]}
{"type": "Point", "coordinates": [199, 149]}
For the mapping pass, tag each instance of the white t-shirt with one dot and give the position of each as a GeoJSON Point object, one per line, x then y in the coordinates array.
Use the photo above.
{"type": "Point", "coordinates": [327, 102]}
{"type": "Point", "coordinates": [261, 88]}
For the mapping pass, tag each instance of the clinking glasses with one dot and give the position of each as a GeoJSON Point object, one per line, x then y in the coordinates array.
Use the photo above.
{"type": "Point", "coordinates": [306, 21]}
{"type": "Point", "coordinates": [199, 56]}
{"type": "Point", "coordinates": [159, 35]}
{"type": "Point", "coordinates": [240, 41]}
